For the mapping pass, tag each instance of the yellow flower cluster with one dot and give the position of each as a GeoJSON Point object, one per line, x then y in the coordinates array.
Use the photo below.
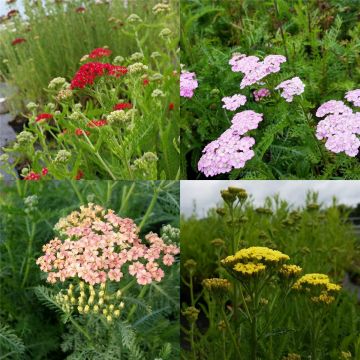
{"type": "Point", "coordinates": [319, 287]}
{"type": "Point", "coordinates": [216, 285]}
{"type": "Point", "coordinates": [88, 299]}
{"type": "Point", "coordinates": [86, 216]}
{"type": "Point", "coordinates": [249, 269]}
{"type": "Point", "coordinates": [290, 271]}
{"type": "Point", "coordinates": [256, 254]}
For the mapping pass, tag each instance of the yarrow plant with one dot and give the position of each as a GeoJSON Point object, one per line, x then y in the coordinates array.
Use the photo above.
{"type": "Point", "coordinates": [230, 151]}
{"type": "Point", "coordinates": [253, 291]}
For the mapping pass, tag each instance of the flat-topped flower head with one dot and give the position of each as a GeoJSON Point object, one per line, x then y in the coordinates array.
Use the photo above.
{"type": "Point", "coordinates": [233, 102]}
{"type": "Point", "coordinates": [188, 83]}
{"type": "Point", "coordinates": [258, 254]}
{"type": "Point", "coordinates": [97, 245]}
{"type": "Point", "coordinates": [353, 96]}
{"type": "Point", "coordinates": [249, 269]}
{"type": "Point", "coordinates": [217, 286]}
{"type": "Point", "coordinates": [245, 121]}
{"type": "Point", "coordinates": [253, 69]}
{"type": "Point", "coordinates": [229, 151]}
{"type": "Point", "coordinates": [333, 107]}
{"type": "Point", "coordinates": [290, 271]}
{"type": "Point", "coordinates": [291, 88]}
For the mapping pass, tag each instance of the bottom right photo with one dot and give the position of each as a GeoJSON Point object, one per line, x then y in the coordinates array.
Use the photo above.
{"type": "Point", "coordinates": [270, 270]}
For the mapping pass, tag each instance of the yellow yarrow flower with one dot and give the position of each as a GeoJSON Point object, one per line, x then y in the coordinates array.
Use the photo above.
{"type": "Point", "coordinates": [289, 271]}
{"type": "Point", "coordinates": [249, 268]}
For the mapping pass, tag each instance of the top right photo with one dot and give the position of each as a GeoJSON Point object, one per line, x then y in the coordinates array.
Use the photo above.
{"type": "Point", "coordinates": [270, 89]}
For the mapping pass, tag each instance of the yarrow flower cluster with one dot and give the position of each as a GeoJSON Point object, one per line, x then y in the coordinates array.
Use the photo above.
{"type": "Point", "coordinates": [233, 102]}
{"type": "Point", "coordinates": [291, 88]}
{"type": "Point", "coordinates": [261, 93]}
{"type": "Point", "coordinates": [87, 73]}
{"type": "Point", "coordinates": [225, 153]}
{"type": "Point", "coordinates": [230, 150]}
{"type": "Point", "coordinates": [339, 127]}
{"type": "Point", "coordinates": [188, 83]}
{"type": "Point", "coordinates": [318, 287]}
{"type": "Point", "coordinates": [254, 69]}
{"type": "Point", "coordinates": [353, 96]}
{"type": "Point", "coordinates": [99, 53]}
{"type": "Point", "coordinates": [42, 117]}
{"type": "Point", "coordinates": [254, 261]}
{"type": "Point", "coordinates": [96, 245]}
{"type": "Point", "coordinates": [18, 41]}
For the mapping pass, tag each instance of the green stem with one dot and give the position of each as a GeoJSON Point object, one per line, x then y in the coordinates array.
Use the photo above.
{"type": "Point", "coordinates": [192, 342]}
{"type": "Point", "coordinates": [151, 206]}
{"type": "Point", "coordinates": [281, 31]}
{"type": "Point", "coordinates": [31, 235]}
{"type": "Point", "coordinates": [134, 307]}
{"type": "Point", "coordinates": [230, 332]}
{"type": "Point", "coordinates": [81, 329]}
{"type": "Point", "coordinates": [77, 192]}
{"type": "Point", "coordinates": [191, 290]}
{"type": "Point", "coordinates": [127, 197]}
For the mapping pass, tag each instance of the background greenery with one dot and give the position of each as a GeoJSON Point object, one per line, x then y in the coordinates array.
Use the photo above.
{"type": "Point", "coordinates": [29, 329]}
{"type": "Point", "coordinates": [321, 42]}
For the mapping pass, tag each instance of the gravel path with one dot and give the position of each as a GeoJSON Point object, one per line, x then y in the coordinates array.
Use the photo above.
{"type": "Point", "coordinates": [7, 134]}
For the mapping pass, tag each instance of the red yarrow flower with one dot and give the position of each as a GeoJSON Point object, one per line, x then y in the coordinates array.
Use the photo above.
{"type": "Point", "coordinates": [32, 176]}
{"type": "Point", "coordinates": [97, 123]}
{"type": "Point", "coordinates": [18, 41]}
{"type": "Point", "coordinates": [87, 73]}
{"type": "Point", "coordinates": [80, 9]}
{"type": "Point", "coordinates": [79, 175]}
{"type": "Point", "coordinates": [122, 106]}
{"type": "Point", "coordinates": [44, 171]}
{"type": "Point", "coordinates": [146, 82]}
{"type": "Point", "coordinates": [80, 132]}
{"type": "Point", "coordinates": [99, 53]}
{"type": "Point", "coordinates": [12, 13]}
{"type": "Point", "coordinates": [171, 106]}
{"type": "Point", "coordinates": [44, 116]}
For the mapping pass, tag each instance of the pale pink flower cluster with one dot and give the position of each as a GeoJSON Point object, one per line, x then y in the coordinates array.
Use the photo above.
{"type": "Point", "coordinates": [231, 150]}
{"type": "Point", "coordinates": [339, 127]}
{"type": "Point", "coordinates": [225, 153]}
{"type": "Point", "coordinates": [291, 88]}
{"type": "Point", "coordinates": [353, 96]}
{"type": "Point", "coordinates": [261, 93]}
{"type": "Point", "coordinates": [188, 84]}
{"type": "Point", "coordinates": [97, 245]}
{"type": "Point", "coordinates": [254, 69]}
{"type": "Point", "coordinates": [233, 102]}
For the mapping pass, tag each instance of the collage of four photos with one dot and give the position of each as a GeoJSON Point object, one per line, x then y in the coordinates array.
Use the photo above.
{"type": "Point", "coordinates": [179, 179]}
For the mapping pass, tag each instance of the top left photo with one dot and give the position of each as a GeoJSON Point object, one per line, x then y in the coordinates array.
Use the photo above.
{"type": "Point", "coordinates": [89, 89]}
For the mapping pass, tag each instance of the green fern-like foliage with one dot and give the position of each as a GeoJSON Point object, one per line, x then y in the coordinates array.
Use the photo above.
{"type": "Point", "coordinates": [11, 346]}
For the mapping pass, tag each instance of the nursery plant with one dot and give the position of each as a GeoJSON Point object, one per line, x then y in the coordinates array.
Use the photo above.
{"type": "Point", "coordinates": [95, 279]}
{"type": "Point", "coordinates": [114, 114]}
{"type": "Point", "coordinates": [267, 282]}
{"type": "Point", "coordinates": [281, 66]}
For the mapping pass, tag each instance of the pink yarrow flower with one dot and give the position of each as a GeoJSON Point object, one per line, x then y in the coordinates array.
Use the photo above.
{"type": "Point", "coordinates": [353, 96]}
{"type": "Point", "coordinates": [253, 69]}
{"type": "Point", "coordinates": [291, 88]}
{"type": "Point", "coordinates": [188, 84]}
{"type": "Point", "coordinates": [233, 102]}
{"type": "Point", "coordinates": [261, 93]}
{"type": "Point", "coordinates": [98, 246]}
{"type": "Point", "coordinates": [339, 127]}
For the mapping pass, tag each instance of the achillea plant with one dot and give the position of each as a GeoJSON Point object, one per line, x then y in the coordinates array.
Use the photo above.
{"type": "Point", "coordinates": [103, 273]}
{"type": "Point", "coordinates": [250, 294]}
{"type": "Point", "coordinates": [104, 120]}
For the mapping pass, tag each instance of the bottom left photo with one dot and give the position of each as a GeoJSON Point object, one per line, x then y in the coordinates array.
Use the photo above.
{"type": "Point", "coordinates": [89, 270]}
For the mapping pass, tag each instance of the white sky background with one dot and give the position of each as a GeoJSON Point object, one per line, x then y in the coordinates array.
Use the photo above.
{"type": "Point", "coordinates": [4, 8]}
{"type": "Point", "coordinates": [206, 193]}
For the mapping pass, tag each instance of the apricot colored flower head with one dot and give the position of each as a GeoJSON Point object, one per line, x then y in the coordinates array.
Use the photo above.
{"type": "Point", "coordinates": [97, 245]}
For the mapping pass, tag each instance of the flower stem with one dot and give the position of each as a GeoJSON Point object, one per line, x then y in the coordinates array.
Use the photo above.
{"type": "Point", "coordinates": [230, 332]}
